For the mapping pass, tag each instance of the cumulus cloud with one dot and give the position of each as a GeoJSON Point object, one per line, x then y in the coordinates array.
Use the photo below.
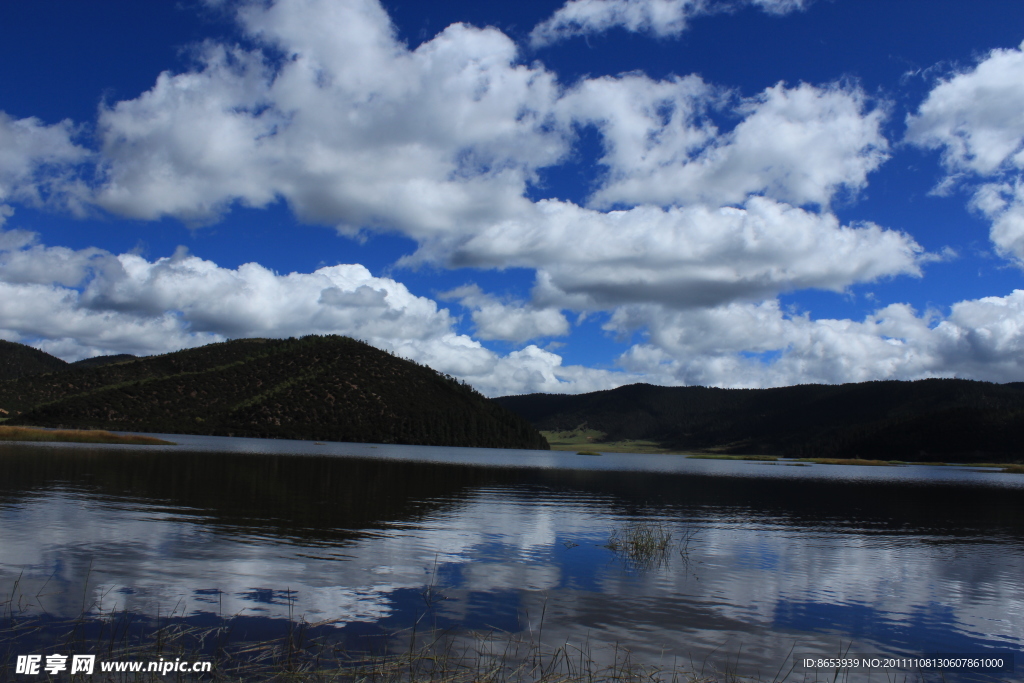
{"type": "Point", "coordinates": [684, 257]}
{"type": "Point", "coordinates": [756, 345]}
{"type": "Point", "coordinates": [976, 119]}
{"type": "Point", "coordinates": [514, 321]}
{"type": "Point", "coordinates": [800, 145]}
{"type": "Point", "coordinates": [1003, 204]}
{"type": "Point", "coordinates": [80, 303]}
{"type": "Point", "coordinates": [126, 293]}
{"type": "Point", "coordinates": [691, 227]}
{"type": "Point", "coordinates": [582, 17]}
{"type": "Point", "coordinates": [660, 18]}
{"type": "Point", "coordinates": [37, 164]}
{"type": "Point", "coordinates": [352, 128]}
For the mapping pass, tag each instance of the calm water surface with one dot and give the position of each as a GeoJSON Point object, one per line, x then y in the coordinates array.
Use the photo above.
{"type": "Point", "coordinates": [373, 539]}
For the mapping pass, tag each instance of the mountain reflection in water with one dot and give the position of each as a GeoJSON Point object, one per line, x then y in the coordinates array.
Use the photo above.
{"type": "Point", "coordinates": [780, 559]}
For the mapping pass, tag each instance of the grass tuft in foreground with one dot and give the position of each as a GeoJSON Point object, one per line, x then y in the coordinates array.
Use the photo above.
{"type": "Point", "coordinates": [9, 433]}
{"type": "Point", "coordinates": [299, 657]}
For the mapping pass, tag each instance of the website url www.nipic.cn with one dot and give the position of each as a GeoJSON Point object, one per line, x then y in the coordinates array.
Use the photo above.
{"type": "Point", "coordinates": [86, 664]}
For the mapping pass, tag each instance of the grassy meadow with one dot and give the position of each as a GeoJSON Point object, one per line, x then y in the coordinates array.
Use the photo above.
{"type": "Point", "coordinates": [592, 440]}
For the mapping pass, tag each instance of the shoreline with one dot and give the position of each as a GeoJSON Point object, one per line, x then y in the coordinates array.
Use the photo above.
{"type": "Point", "coordinates": [99, 436]}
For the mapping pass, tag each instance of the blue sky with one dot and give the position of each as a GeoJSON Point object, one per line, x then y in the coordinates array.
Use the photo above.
{"type": "Point", "coordinates": [533, 196]}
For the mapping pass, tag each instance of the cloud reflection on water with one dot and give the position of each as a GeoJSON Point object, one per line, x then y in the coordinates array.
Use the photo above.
{"type": "Point", "coordinates": [773, 566]}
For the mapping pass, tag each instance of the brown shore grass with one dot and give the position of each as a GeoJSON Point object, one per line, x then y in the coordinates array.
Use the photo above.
{"type": "Point", "coordinates": [848, 461]}
{"type": "Point", "coordinates": [1009, 467]}
{"type": "Point", "coordinates": [715, 456]}
{"type": "Point", "coordinates": [12, 433]}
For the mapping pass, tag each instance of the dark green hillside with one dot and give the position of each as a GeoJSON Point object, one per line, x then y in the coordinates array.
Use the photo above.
{"type": "Point", "coordinates": [98, 361]}
{"type": "Point", "coordinates": [25, 393]}
{"type": "Point", "coordinates": [935, 419]}
{"type": "Point", "coordinates": [326, 388]}
{"type": "Point", "coordinates": [18, 360]}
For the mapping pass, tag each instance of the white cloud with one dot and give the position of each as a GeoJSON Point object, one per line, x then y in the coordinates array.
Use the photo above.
{"type": "Point", "coordinates": [24, 262]}
{"type": "Point", "coordinates": [126, 303]}
{"type": "Point", "coordinates": [14, 239]}
{"type": "Point", "coordinates": [683, 257]}
{"type": "Point", "coordinates": [440, 143]}
{"type": "Point", "coordinates": [193, 142]}
{"type": "Point", "coordinates": [757, 345]}
{"type": "Point", "coordinates": [781, 6]}
{"type": "Point", "coordinates": [37, 164]}
{"type": "Point", "coordinates": [800, 145]}
{"type": "Point", "coordinates": [1003, 204]}
{"type": "Point", "coordinates": [77, 304]}
{"type": "Point", "coordinates": [510, 322]}
{"type": "Point", "coordinates": [352, 128]}
{"type": "Point", "coordinates": [355, 130]}
{"type": "Point", "coordinates": [81, 303]}
{"type": "Point", "coordinates": [660, 18]}
{"type": "Point", "coordinates": [976, 118]}
{"type": "Point", "coordinates": [583, 17]}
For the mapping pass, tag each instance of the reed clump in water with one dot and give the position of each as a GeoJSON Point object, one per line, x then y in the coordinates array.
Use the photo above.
{"type": "Point", "coordinates": [643, 544]}
{"type": "Point", "coordinates": [647, 544]}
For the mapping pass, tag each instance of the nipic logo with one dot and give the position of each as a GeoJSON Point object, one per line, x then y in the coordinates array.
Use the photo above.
{"type": "Point", "coordinates": [86, 664]}
{"type": "Point", "coordinates": [55, 664]}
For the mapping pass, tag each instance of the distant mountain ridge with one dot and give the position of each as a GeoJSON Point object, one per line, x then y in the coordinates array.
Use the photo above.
{"type": "Point", "coordinates": [924, 420]}
{"type": "Point", "coordinates": [326, 388]}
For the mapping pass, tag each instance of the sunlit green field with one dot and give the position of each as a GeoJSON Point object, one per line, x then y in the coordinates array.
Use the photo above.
{"type": "Point", "coordinates": [593, 440]}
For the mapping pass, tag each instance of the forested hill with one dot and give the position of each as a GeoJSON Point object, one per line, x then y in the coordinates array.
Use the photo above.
{"type": "Point", "coordinates": [97, 361]}
{"type": "Point", "coordinates": [326, 388]}
{"type": "Point", "coordinates": [18, 360]}
{"type": "Point", "coordinates": [933, 419]}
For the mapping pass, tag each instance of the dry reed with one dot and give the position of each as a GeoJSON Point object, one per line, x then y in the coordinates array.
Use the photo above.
{"type": "Point", "coordinates": [14, 433]}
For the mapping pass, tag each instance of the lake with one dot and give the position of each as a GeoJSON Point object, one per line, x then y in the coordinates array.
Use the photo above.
{"type": "Point", "coordinates": [373, 544]}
